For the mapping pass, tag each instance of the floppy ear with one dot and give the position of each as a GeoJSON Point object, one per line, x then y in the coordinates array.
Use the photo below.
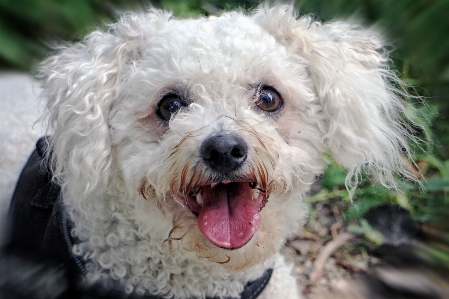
{"type": "Point", "coordinates": [360, 97]}
{"type": "Point", "coordinates": [79, 86]}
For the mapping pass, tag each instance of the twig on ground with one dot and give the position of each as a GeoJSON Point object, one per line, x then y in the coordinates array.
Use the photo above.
{"type": "Point", "coordinates": [310, 236]}
{"type": "Point", "coordinates": [325, 253]}
{"type": "Point", "coordinates": [334, 229]}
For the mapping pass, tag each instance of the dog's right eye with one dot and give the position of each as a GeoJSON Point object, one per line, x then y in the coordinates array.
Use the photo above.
{"type": "Point", "coordinates": [169, 105]}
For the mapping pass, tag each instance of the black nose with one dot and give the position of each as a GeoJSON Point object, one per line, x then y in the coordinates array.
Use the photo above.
{"type": "Point", "coordinates": [224, 152]}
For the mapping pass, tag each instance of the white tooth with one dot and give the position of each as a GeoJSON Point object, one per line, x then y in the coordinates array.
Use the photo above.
{"type": "Point", "coordinates": [199, 198]}
{"type": "Point", "coordinates": [255, 193]}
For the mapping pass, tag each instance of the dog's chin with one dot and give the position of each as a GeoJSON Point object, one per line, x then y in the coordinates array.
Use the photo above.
{"type": "Point", "coordinates": [261, 246]}
{"type": "Point", "coordinates": [227, 212]}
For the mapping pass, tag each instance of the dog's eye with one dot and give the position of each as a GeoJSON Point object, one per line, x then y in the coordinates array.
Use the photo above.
{"type": "Point", "coordinates": [169, 105]}
{"type": "Point", "coordinates": [268, 99]}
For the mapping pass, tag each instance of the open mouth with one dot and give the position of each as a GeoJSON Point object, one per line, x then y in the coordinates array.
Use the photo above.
{"type": "Point", "coordinates": [228, 212]}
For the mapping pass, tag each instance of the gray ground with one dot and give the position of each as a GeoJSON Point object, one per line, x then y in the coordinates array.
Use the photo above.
{"type": "Point", "coordinates": [16, 94]}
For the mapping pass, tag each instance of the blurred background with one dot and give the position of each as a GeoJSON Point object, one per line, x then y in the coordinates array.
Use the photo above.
{"type": "Point", "coordinates": [419, 35]}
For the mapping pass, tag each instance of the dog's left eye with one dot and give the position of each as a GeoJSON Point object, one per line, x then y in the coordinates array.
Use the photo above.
{"type": "Point", "coordinates": [269, 99]}
{"type": "Point", "coordinates": [169, 105]}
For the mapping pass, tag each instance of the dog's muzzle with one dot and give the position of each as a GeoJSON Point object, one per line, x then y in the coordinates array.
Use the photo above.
{"type": "Point", "coordinates": [228, 205]}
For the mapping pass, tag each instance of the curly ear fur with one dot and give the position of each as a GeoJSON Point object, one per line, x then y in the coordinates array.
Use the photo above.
{"type": "Point", "coordinates": [362, 109]}
{"type": "Point", "coordinates": [79, 86]}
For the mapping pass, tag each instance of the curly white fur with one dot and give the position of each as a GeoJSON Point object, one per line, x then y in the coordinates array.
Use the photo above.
{"type": "Point", "coordinates": [121, 168]}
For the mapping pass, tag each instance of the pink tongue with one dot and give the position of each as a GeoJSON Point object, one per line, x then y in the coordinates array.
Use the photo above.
{"type": "Point", "coordinates": [229, 216]}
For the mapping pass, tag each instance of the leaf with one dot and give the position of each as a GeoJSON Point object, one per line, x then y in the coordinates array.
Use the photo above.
{"type": "Point", "coordinates": [436, 184]}
{"type": "Point", "coordinates": [369, 233]}
{"type": "Point", "coordinates": [366, 198]}
{"type": "Point", "coordinates": [333, 176]}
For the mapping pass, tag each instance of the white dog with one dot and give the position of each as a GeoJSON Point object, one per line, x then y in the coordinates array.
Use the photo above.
{"type": "Point", "coordinates": [185, 148]}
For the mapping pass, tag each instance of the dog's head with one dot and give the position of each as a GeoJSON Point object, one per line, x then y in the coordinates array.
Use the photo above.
{"type": "Point", "coordinates": [223, 122]}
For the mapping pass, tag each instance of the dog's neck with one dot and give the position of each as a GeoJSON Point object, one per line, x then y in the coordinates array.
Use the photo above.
{"type": "Point", "coordinates": [124, 242]}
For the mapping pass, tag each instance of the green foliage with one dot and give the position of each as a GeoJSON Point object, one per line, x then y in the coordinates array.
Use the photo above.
{"type": "Point", "coordinates": [334, 176]}
{"type": "Point", "coordinates": [366, 198]}
{"type": "Point", "coordinates": [419, 27]}
{"type": "Point", "coordinates": [189, 8]}
{"type": "Point", "coordinates": [420, 200]}
{"type": "Point", "coordinates": [27, 26]}
{"type": "Point", "coordinates": [183, 9]}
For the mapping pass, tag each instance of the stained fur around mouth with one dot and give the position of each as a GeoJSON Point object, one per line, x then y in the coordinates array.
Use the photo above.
{"type": "Point", "coordinates": [187, 180]}
{"type": "Point", "coordinates": [256, 178]}
{"type": "Point", "coordinates": [253, 185]}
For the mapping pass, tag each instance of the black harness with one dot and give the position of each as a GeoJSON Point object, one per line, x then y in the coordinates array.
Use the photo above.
{"type": "Point", "coordinates": [39, 238]}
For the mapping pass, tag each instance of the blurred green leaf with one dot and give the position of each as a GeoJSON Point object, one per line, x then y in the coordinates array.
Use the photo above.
{"type": "Point", "coordinates": [366, 198]}
{"type": "Point", "coordinates": [183, 9]}
{"type": "Point", "coordinates": [17, 49]}
{"type": "Point", "coordinates": [436, 184]}
{"type": "Point", "coordinates": [334, 176]}
{"type": "Point", "coordinates": [369, 233]}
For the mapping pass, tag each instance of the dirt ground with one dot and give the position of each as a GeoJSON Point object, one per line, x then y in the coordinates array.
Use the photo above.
{"type": "Point", "coordinates": [337, 267]}
{"type": "Point", "coordinates": [330, 262]}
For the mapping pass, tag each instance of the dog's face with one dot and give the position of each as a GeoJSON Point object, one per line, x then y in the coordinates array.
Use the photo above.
{"type": "Point", "coordinates": [222, 123]}
{"type": "Point", "coordinates": [215, 122]}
